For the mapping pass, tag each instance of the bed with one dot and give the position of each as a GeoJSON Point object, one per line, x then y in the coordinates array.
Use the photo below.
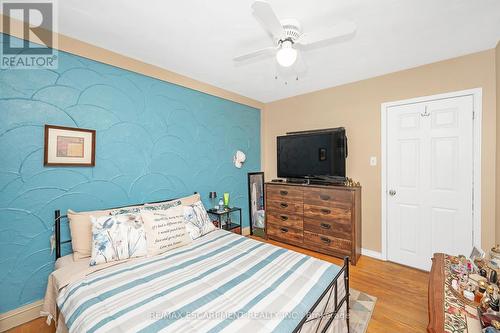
{"type": "Point", "coordinates": [221, 282]}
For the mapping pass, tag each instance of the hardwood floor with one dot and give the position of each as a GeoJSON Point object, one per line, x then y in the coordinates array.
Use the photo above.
{"type": "Point", "coordinates": [401, 291]}
{"type": "Point", "coordinates": [401, 295]}
{"type": "Point", "coordinates": [35, 326]}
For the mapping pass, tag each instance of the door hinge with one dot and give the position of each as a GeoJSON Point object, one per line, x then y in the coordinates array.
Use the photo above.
{"type": "Point", "coordinates": [473, 114]}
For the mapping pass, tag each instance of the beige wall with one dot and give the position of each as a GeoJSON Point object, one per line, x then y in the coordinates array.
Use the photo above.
{"type": "Point", "coordinates": [356, 106]}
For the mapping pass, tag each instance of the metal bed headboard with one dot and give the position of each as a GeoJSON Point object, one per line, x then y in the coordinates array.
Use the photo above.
{"type": "Point", "coordinates": [58, 217]}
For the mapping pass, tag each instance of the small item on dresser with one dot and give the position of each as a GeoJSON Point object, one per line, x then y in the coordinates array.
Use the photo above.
{"type": "Point", "coordinates": [478, 278]}
{"type": "Point", "coordinates": [483, 272]}
{"type": "Point", "coordinates": [463, 282]}
{"type": "Point", "coordinates": [469, 295]}
{"type": "Point", "coordinates": [493, 276]}
{"type": "Point", "coordinates": [469, 267]}
{"type": "Point", "coordinates": [490, 290]}
{"type": "Point", "coordinates": [479, 294]}
{"type": "Point", "coordinates": [479, 262]}
{"type": "Point", "coordinates": [482, 285]}
{"type": "Point", "coordinates": [454, 260]}
{"type": "Point", "coordinates": [350, 182]}
{"type": "Point", "coordinates": [495, 252]}
{"type": "Point", "coordinates": [488, 318]}
{"type": "Point", "coordinates": [494, 304]}
{"type": "Point", "coordinates": [485, 302]}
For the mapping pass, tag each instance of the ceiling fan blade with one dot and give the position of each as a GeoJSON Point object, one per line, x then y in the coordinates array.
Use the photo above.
{"type": "Point", "coordinates": [265, 14]}
{"type": "Point", "coordinates": [268, 51]}
{"type": "Point", "coordinates": [338, 32]}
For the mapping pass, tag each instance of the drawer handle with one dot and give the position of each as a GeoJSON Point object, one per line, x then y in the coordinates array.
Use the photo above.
{"type": "Point", "coordinates": [324, 197]}
{"type": "Point", "coordinates": [283, 217]}
{"type": "Point", "coordinates": [325, 240]}
{"type": "Point", "coordinates": [283, 205]}
{"type": "Point", "coordinates": [284, 229]}
{"type": "Point", "coordinates": [283, 192]}
{"type": "Point", "coordinates": [326, 211]}
{"type": "Point", "coordinates": [325, 226]}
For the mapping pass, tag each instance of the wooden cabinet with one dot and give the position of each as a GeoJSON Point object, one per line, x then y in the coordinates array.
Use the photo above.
{"type": "Point", "coordinates": [321, 218]}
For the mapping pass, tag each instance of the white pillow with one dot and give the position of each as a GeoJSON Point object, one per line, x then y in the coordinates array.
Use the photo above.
{"type": "Point", "coordinates": [116, 238]}
{"type": "Point", "coordinates": [165, 229]}
{"type": "Point", "coordinates": [197, 220]}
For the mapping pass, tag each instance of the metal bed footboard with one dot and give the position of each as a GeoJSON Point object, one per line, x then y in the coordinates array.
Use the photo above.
{"type": "Point", "coordinates": [322, 314]}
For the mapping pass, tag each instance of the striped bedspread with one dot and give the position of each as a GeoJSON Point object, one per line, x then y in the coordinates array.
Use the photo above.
{"type": "Point", "coordinates": [221, 282]}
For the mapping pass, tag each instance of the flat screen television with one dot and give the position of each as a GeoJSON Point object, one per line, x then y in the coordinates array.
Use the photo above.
{"type": "Point", "coordinates": [315, 155]}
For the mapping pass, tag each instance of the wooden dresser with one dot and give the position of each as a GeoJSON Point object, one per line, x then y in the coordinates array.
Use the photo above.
{"type": "Point", "coordinates": [321, 218]}
{"type": "Point", "coordinates": [447, 312]}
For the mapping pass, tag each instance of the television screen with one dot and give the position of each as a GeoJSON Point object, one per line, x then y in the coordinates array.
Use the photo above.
{"type": "Point", "coordinates": [315, 155]}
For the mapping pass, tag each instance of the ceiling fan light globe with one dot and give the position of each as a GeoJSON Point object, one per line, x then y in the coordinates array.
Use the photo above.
{"type": "Point", "coordinates": [286, 55]}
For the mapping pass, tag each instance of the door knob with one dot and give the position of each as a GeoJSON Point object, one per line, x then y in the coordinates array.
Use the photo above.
{"type": "Point", "coordinates": [392, 193]}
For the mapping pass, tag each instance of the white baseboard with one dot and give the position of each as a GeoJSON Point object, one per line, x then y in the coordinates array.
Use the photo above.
{"type": "Point", "coordinates": [372, 254]}
{"type": "Point", "coordinates": [20, 315]}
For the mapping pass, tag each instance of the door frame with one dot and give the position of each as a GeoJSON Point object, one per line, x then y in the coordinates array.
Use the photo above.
{"type": "Point", "coordinates": [476, 94]}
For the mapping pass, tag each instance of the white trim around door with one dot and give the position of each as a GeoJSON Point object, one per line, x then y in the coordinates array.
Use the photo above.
{"type": "Point", "coordinates": [477, 120]}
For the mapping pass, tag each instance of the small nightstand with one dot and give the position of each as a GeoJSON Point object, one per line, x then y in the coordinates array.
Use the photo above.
{"type": "Point", "coordinates": [229, 225]}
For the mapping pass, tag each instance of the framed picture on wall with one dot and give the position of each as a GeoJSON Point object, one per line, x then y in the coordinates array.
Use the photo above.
{"type": "Point", "coordinates": [256, 203]}
{"type": "Point", "coordinates": [67, 146]}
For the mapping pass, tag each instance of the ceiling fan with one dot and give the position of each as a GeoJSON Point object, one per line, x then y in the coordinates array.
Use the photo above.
{"type": "Point", "coordinates": [288, 37]}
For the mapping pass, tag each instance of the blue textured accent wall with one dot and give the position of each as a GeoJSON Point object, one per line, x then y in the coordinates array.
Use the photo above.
{"type": "Point", "coordinates": [155, 141]}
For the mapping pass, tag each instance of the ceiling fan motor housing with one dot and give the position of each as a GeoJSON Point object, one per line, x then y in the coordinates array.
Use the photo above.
{"type": "Point", "coordinates": [292, 30]}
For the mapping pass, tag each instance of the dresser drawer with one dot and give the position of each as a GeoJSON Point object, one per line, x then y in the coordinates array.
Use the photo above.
{"type": "Point", "coordinates": [330, 214]}
{"type": "Point", "coordinates": [284, 193]}
{"type": "Point", "coordinates": [284, 219]}
{"type": "Point", "coordinates": [332, 244]}
{"type": "Point", "coordinates": [327, 197]}
{"type": "Point", "coordinates": [341, 229]}
{"type": "Point", "coordinates": [285, 206]}
{"type": "Point", "coordinates": [284, 234]}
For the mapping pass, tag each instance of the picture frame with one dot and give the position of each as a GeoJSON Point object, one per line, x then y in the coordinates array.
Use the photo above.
{"type": "Point", "coordinates": [256, 204]}
{"type": "Point", "coordinates": [68, 146]}
{"type": "Point", "coordinates": [476, 253]}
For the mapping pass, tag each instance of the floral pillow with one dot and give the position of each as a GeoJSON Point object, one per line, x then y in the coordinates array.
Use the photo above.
{"type": "Point", "coordinates": [197, 220]}
{"type": "Point", "coordinates": [116, 238]}
{"type": "Point", "coordinates": [162, 205]}
{"type": "Point", "coordinates": [138, 209]}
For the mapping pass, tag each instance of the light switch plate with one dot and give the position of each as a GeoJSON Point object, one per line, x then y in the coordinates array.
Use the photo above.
{"type": "Point", "coordinates": [373, 161]}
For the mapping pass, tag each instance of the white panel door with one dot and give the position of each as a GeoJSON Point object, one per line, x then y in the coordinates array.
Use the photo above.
{"type": "Point", "coordinates": [429, 180]}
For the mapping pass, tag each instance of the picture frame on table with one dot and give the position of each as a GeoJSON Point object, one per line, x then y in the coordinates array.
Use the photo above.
{"type": "Point", "coordinates": [476, 253]}
{"type": "Point", "coordinates": [256, 204]}
{"type": "Point", "coordinates": [68, 146]}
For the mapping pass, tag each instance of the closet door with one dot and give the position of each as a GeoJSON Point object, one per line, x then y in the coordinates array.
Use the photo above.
{"type": "Point", "coordinates": [429, 180]}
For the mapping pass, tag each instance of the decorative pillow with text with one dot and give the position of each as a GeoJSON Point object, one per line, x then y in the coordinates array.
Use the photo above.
{"type": "Point", "coordinates": [165, 229]}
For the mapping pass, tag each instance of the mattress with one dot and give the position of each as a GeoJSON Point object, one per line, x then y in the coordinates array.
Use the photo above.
{"type": "Point", "coordinates": [221, 282]}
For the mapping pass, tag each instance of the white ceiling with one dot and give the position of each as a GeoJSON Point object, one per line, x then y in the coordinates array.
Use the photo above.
{"type": "Point", "coordinates": [199, 38]}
